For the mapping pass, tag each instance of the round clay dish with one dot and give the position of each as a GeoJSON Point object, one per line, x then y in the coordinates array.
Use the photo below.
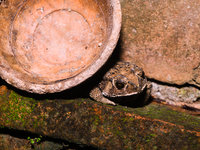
{"type": "Point", "coordinates": [59, 44]}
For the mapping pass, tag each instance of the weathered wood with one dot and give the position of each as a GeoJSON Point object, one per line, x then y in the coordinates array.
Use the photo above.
{"type": "Point", "coordinates": [99, 125]}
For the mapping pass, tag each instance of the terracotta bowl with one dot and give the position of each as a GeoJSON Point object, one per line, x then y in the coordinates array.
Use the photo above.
{"type": "Point", "coordinates": [48, 46]}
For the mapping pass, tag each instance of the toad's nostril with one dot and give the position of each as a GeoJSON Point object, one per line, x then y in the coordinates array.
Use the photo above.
{"type": "Point", "coordinates": [119, 85]}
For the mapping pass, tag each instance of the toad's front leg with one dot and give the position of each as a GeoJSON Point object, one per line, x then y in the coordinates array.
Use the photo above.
{"type": "Point", "coordinates": [97, 95]}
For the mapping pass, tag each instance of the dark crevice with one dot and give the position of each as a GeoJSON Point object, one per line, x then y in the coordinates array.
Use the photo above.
{"type": "Point", "coordinates": [198, 67]}
{"type": "Point", "coordinates": [174, 85]}
{"type": "Point", "coordinates": [194, 80]}
{"type": "Point", "coordinates": [4, 3]}
{"type": "Point", "coordinates": [23, 135]}
{"type": "Point", "coordinates": [197, 100]}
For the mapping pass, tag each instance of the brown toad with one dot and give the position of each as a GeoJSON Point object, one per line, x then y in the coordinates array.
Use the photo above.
{"type": "Point", "coordinates": [123, 84]}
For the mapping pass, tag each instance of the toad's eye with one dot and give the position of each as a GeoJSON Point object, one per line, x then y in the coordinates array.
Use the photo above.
{"type": "Point", "coordinates": [119, 85]}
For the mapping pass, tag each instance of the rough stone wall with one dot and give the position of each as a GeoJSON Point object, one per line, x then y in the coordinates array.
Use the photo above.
{"type": "Point", "coordinates": [163, 37]}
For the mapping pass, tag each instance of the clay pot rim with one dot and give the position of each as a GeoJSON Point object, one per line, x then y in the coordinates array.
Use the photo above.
{"type": "Point", "coordinates": [12, 78]}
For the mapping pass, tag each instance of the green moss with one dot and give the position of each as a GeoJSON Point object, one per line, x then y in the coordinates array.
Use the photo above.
{"type": "Point", "coordinates": [155, 147]}
{"type": "Point", "coordinates": [131, 119]}
{"type": "Point", "coordinates": [95, 120]}
{"type": "Point", "coordinates": [152, 135]}
{"type": "Point", "coordinates": [79, 104]}
{"type": "Point", "coordinates": [17, 108]}
{"type": "Point", "coordinates": [165, 113]}
{"type": "Point", "coordinates": [124, 119]}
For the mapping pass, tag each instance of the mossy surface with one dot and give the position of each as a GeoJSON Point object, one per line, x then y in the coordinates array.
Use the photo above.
{"type": "Point", "coordinates": [15, 109]}
{"type": "Point", "coordinates": [164, 113]}
{"type": "Point", "coordinates": [82, 120]}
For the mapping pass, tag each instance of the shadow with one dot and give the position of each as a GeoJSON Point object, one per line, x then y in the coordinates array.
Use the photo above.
{"type": "Point", "coordinates": [23, 135]}
{"type": "Point", "coordinates": [80, 91]}
{"type": "Point", "coordinates": [174, 85]}
{"type": "Point", "coordinates": [134, 101]}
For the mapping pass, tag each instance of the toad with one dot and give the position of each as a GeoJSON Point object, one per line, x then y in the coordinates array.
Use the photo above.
{"type": "Point", "coordinates": [124, 84]}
